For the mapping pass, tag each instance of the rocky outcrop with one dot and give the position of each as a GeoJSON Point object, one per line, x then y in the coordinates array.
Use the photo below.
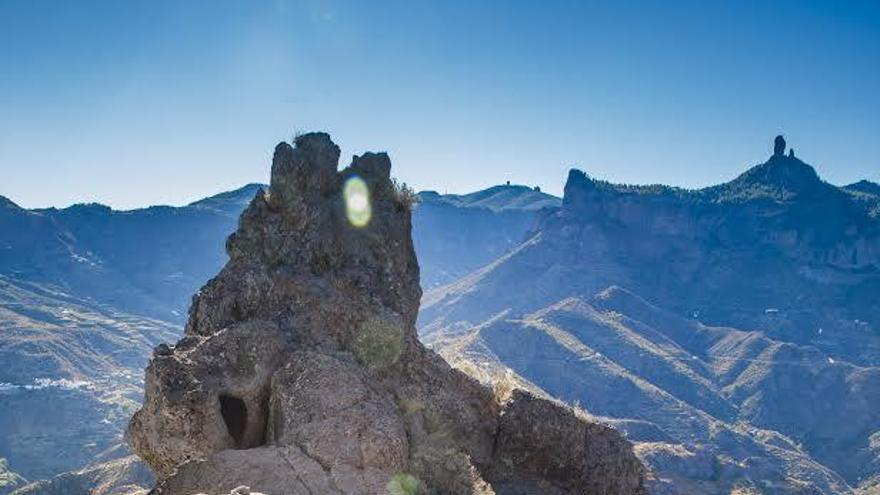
{"type": "Point", "coordinates": [300, 370]}
{"type": "Point", "coordinates": [779, 146]}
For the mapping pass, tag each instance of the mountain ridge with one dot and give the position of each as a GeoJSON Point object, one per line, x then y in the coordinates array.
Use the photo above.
{"type": "Point", "coordinates": [864, 186]}
{"type": "Point", "coordinates": [759, 279]}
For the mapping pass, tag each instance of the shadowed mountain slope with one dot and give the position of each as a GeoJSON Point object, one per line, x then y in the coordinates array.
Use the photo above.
{"type": "Point", "coordinates": [144, 261]}
{"type": "Point", "coordinates": [456, 234]}
{"type": "Point", "coordinates": [70, 377]}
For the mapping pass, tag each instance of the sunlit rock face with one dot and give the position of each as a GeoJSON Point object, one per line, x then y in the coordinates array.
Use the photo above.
{"type": "Point", "coordinates": [300, 371]}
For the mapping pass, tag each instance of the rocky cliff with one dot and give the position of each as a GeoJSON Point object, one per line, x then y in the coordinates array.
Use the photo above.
{"type": "Point", "coordinates": [300, 370]}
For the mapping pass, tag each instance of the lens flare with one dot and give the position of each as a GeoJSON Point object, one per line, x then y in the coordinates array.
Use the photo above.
{"type": "Point", "coordinates": [357, 201]}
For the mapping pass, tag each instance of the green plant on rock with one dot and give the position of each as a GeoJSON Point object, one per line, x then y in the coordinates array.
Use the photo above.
{"type": "Point", "coordinates": [404, 484]}
{"type": "Point", "coordinates": [405, 196]}
{"type": "Point", "coordinates": [379, 342]}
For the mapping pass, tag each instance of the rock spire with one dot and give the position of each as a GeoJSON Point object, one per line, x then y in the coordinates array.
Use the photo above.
{"type": "Point", "coordinates": [300, 371]}
{"type": "Point", "coordinates": [779, 146]}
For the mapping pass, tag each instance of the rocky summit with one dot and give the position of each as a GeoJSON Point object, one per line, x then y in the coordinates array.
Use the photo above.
{"type": "Point", "coordinates": [300, 371]}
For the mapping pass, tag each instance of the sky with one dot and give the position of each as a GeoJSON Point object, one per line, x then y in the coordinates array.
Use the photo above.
{"type": "Point", "coordinates": [139, 102]}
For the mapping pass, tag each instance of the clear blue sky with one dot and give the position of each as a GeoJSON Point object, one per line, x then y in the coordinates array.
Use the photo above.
{"type": "Point", "coordinates": [131, 103]}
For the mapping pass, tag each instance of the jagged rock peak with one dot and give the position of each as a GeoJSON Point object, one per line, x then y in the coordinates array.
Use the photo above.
{"type": "Point", "coordinates": [300, 371]}
{"type": "Point", "coordinates": [779, 146]}
{"type": "Point", "coordinates": [350, 227]}
{"type": "Point", "coordinates": [231, 200]}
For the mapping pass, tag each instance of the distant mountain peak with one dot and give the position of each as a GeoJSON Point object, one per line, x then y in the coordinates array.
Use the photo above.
{"type": "Point", "coordinates": [7, 203]}
{"type": "Point", "coordinates": [245, 191]}
{"type": "Point", "coordinates": [786, 172]}
{"type": "Point", "coordinates": [98, 208]}
{"type": "Point", "coordinates": [497, 198]}
{"type": "Point", "coordinates": [864, 186]}
{"type": "Point", "coordinates": [229, 202]}
{"type": "Point", "coordinates": [781, 177]}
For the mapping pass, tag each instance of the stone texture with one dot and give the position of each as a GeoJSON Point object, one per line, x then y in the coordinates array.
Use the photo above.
{"type": "Point", "coordinates": [779, 146]}
{"type": "Point", "coordinates": [300, 371]}
{"type": "Point", "coordinates": [538, 439]}
{"type": "Point", "coordinates": [186, 389]}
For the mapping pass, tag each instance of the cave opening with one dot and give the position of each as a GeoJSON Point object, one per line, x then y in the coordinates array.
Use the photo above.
{"type": "Point", "coordinates": [235, 415]}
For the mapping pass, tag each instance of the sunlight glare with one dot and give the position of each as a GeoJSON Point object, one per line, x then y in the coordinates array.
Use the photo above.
{"type": "Point", "coordinates": [357, 201]}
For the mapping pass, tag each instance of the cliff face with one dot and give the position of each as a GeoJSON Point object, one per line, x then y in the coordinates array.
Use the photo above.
{"type": "Point", "coordinates": [300, 370]}
{"type": "Point", "coordinates": [775, 237]}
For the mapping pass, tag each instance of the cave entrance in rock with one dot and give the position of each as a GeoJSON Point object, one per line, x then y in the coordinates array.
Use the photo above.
{"type": "Point", "coordinates": [235, 415]}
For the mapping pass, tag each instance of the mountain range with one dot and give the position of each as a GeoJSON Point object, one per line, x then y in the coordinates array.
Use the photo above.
{"type": "Point", "coordinates": [86, 292]}
{"type": "Point", "coordinates": [732, 332]}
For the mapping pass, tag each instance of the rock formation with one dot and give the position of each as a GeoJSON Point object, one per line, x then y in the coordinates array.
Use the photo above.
{"type": "Point", "coordinates": [779, 146]}
{"type": "Point", "coordinates": [300, 371]}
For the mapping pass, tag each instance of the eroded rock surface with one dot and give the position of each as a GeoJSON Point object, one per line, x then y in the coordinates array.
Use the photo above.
{"type": "Point", "coordinates": [301, 373]}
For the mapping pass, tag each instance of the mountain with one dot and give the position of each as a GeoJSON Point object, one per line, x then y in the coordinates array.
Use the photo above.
{"type": "Point", "coordinates": [456, 234]}
{"type": "Point", "coordinates": [735, 327]}
{"type": "Point", "coordinates": [497, 198]}
{"type": "Point", "coordinates": [230, 203]}
{"type": "Point", "coordinates": [79, 358]}
{"type": "Point", "coordinates": [86, 292]}
{"type": "Point", "coordinates": [744, 313]}
{"type": "Point", "coordinates": [865, 187]}
{"type": "Point", "coordinates": [146, 261]}
{"type": "Point", "coordinates": [868, 192]}
{"type": "Point", "coordinates": [300, 371]}
{"type": "Point", "coordinates": [149, 261]}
